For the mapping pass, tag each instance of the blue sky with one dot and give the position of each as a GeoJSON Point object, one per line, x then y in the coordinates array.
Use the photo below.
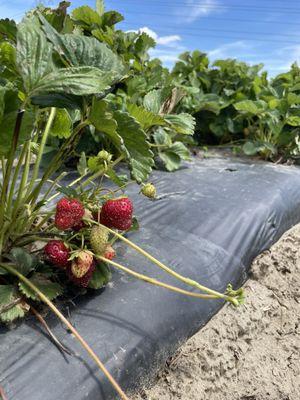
{"type": "Point", "coordinates": [254, 31]}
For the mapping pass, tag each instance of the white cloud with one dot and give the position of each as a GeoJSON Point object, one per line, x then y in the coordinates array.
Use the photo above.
{"type": "Point", "coordinates": [170, 40]}
{"type": "Point", "coordinates": [196, 9]}
{"type": "Point", "coordinates": [229, 50]}
{"type": "Point", "coordinates": [275, 61]}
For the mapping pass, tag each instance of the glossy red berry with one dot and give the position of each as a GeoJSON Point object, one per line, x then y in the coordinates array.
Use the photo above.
{"type": "Point", "coordinates": [57, 253]}
{"type": "Point", "coordinates": [117, 213]}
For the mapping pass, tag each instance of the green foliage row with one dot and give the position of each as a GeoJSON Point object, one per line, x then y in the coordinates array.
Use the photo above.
{"type": "Point", "coordinates": [235, 102]}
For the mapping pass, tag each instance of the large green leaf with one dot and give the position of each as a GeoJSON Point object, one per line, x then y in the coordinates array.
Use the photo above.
{"type": "Point", "coordinates": [79, 81]}
{"type": "Point", "coordinates": [8, 295]}
{"type": "Point", "coordinates": [34, 53]}
{"type": "Point", "coordinates": [136, 147]}
{"type": "Point", "coordinates": [182, 123]}
{"type": "Point", "coordinates": [251, 107]}
{"type": "Point", "coordinates": [146, 118]}
{"type": "Point", "coordinates": [84, 51]}
{"type": "Point", "coordinates": [87, 16]}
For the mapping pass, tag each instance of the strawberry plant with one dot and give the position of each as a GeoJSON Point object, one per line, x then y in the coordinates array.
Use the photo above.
{"type": "Point", "coordinates": [145, 100]}
{"type": "Point", "coordinates": [237, 103]}
{"type": "Point", "coordinates": [57, 83]}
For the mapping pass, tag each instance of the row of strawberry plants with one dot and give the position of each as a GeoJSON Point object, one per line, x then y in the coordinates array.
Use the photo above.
{"type": "Point", "coordinates": [234, 102]}
{"type": "Point", "coordinates": [61, 83]}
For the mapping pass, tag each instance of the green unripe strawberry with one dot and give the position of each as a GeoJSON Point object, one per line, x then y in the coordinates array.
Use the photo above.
{"type": "Point", "coordinates": [98, 239]}
{"type": "Point", "coordinates": [149, 190]}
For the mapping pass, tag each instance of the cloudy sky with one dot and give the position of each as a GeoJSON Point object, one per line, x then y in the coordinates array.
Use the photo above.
{"type": "Point", "coordinates": [254, 31]}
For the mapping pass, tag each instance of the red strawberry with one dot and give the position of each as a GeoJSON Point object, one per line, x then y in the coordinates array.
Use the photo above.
{"type": "Point", "coordinates": [63, 222]}
{"type": "Point", "coordinates": [109, 252]}
{"type": "Point", "coordinates": [117, 213]}
{"type": "Point", "coordinates": [69, 213]}
{"type": "Point", "coordinates": [80, 272]}
{"type": "Point", "coordinates": [57, 253]}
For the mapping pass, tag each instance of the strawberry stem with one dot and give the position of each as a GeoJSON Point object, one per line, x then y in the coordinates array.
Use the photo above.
{"type": "Point", "coordinates": [41, 149]}
{"type": "Point", "coordinates": [235, 300]}
{"type": "Point", "coordinates": [156, 282]}
{"type": "Point", "coordinates": [84, 344]}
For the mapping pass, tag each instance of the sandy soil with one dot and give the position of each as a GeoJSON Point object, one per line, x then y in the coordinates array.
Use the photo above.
{"type": "Point", "coordinates": [250, 353]}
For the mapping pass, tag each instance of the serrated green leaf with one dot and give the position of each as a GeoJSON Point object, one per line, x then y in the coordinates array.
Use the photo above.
{"type": "Point", "coordinates": [111, 18]}
{"type": "Point", "coordinates": [47, 287]}
{"type": "Point", "coordinates": [182, 123]}
{"type": "Point", "coordinates": [84, 51]}
{"type": "Point", "coordinates": [24, 262]}
{"type": "Point", "coordinates": [181, 150]}
{"type": "Point", "coordinates": [8, 29]}
{"type": "Point", "coordinates": [146, 118]}
{"type": "Point", "coordinates": [8, 295]}
{"type": "Point", "coordinates": [62, 124]}
{"type": "Point", "coordinates": [171, 160]}
{"type": "Point", "coordinates": [135, 147]}
{"type": "Point", "coordinates": [293, 120]}
{"type": "Point", "coordinates": [86, 15]}
{"type": "Point", "coordinates": [251, 107]}
{"type": "Point", "coordinates": [161, 137]}
{"type": "Point", "coordinates": [103, 119]}
{"type": "Point", "coordinates": [79, 81]}
{"type": "Point", "coordinates": [101, 276]}
{"type": "Point", "coordinates": [34, 53]}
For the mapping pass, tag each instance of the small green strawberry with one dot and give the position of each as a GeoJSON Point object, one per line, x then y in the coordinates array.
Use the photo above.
{"type": "Point", "coordinates": [149, 190]}
{"type": "Point", "coordinates": [98, 239]}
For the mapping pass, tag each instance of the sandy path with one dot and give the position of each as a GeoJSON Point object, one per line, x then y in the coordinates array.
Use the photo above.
{"type": "Point", "coordinates": [250, 353]}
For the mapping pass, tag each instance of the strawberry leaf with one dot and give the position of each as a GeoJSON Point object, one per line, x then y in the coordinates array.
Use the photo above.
{"type": "Point", "coordinates": [9, 310]}
{"type": "Point", "coordinates": [23, 261]}
{"type": "Point", "coordinates": [101, 277]}
{"type": "Point", "coordinates": [47, 287]}
{"type": "Point", "coordinates": [62, 124]}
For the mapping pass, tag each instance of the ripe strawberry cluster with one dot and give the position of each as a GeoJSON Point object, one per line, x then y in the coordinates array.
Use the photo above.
{"type": "Point", "coordinates": [115, 214]}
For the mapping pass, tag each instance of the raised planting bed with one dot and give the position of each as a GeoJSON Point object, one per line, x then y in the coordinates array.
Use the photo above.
{"type": "Point", "coordinates": [210, 220]}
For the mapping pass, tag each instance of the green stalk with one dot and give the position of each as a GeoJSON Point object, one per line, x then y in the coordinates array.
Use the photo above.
{"type": "Point", "coordinates": [176, 275]}
{"type": "Point", "coordinates": [83, 343]}
{"type": "Point", "coordinates": [96, 175]}
{"type": "Point", "coordinates": [55, 163]}
{"type": "Point", "coordinates": [15, 177]}
{"type": "Point", "coordinates": [156, 282]}
{"type": "Point", "coordinates": [41, 149]}
{"type": "Point", "coordinates": [21, 190]}
{"type": "Point", "coordinates": [9, 165]}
